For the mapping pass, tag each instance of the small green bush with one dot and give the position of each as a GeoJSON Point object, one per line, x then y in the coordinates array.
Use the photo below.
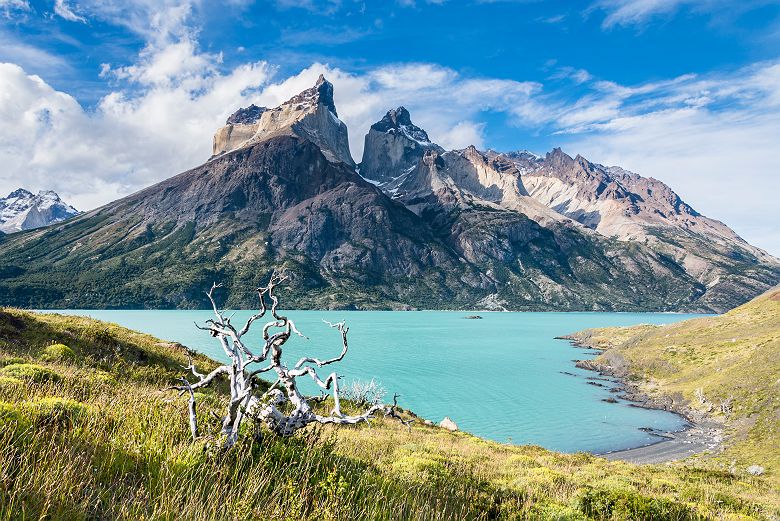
{"type": "Point", "coordinates": [556, 512]}
{"type": "Point", "coordinates": [58, 353]}
{"type": "Point", "coordinates": [31, 372]}
{"type": "Point", "coordinates": [9, 413]}
{"type": "Point", "coordinates": [54, 410]}
{"type": "Point", "coordinates": [9, 381]}
{"type": "Point", "coordinates": [100, 377]}
{"type": "Point", "coordinates": [626, 504]}
{"type": "Point", "coordinates": [12, 360]}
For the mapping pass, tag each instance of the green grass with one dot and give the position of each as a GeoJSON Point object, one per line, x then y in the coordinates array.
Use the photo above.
{"type": "Point", "coordinates": [103, 439]}
{"type": "Point", "coordinates": [735, 355]}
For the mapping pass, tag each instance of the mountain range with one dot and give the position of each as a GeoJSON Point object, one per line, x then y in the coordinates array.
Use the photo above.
{"type": "Point", "coordinates": [411, 226]}
{"type": "Point", "coordinates": [23, 210]}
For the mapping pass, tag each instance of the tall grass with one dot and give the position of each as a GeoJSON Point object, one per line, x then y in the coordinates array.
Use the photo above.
{"type": "Point", "coordinates": [98, 437]}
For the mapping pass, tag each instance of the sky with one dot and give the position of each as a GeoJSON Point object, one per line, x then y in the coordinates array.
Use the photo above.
{"type": "Point", "coordinates": [100, 98]}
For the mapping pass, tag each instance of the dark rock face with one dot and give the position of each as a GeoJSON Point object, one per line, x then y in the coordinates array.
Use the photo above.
{"type": "Point", "coordinates": [279, 202]}
{"type": "Point", "coordinates": [322, 92]}
{"type": "Point", "coordinates": [246, 116]}
{"type": "Point", "coordinates": [399, 121]}
{"type": "Point", "coordinates": [393, 146]}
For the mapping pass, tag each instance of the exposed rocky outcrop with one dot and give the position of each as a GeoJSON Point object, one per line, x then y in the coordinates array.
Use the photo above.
{"type": "Point", "coordinates": [393, 146]}
{"type": "Point", "coordinates": [311, 115]}
{"type": "Point", "coordinates": [23, 210]}
{"type": "Point", "coordinates": [621, 204]}
{"type": "Point", "coordinates": [448, 424]}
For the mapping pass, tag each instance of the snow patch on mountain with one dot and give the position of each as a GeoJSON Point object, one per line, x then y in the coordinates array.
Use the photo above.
{"type": "Point", "coordinates": [23, 210]}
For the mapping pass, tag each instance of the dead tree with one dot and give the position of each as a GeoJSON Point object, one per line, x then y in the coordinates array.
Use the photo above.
{"type": "Point", "coordinates": [246, 364]}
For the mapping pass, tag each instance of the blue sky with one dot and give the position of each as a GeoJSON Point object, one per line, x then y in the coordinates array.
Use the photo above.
{"type": "Point", "coordinates": [101, 98]}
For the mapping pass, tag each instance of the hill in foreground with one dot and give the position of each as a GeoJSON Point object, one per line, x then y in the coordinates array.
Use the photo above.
{"type": "Point", "coordinates": [88, 431]}
{"type": "Point", "coordinates": [724, 369]}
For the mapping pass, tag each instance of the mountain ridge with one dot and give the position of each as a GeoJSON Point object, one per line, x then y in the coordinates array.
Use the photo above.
{"type": "Point", "coordinates": [413, 226]}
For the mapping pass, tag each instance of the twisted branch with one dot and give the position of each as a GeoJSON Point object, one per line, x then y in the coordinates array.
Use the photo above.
{"type": "Point", "coordinates": [267, 408]}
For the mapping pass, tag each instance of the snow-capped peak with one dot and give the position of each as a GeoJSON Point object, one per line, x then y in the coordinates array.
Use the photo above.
{"type": "Point", "coordinates": [23, 210]}
{"type": "Point", "coordinates": [398, 121]}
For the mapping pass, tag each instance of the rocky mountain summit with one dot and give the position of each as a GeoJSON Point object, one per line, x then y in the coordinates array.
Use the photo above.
{"type": "Point", "coordinates": [310, 114]}
{"type": "Point", "coordinates": [576, 196]}
{"type": "Point", "coordinates": [23, 210]}
{"type": "Point", "coordinates": [412, 226]}
{"type": "Point", "coordinates": [394, 145]}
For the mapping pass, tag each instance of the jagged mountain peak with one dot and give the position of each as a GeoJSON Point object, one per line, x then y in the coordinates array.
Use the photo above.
{"type": "Point", "coordinates": [23, 210]}
{"type": "Point", "coordinates": [393, 146]}
{"type": "Point", "coordinates": [399, 121]}
{"type": "Point", "coordinates": [321, 92]}
{"type": "Point", "coordinates": [393, 119]}
{"type": "Point", "coordinates": [19, 192]}
{"type": "Point", "coordinates": [558, 158]}
{"type": "Point", "coordinates": [310, 114]}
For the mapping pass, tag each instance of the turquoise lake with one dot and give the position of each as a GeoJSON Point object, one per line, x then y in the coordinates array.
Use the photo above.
{"type": "Point", "coordinates": [502, 377]}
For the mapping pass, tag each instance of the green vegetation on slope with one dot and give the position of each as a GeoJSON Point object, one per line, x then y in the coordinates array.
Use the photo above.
{"type": "Point", "coordinates": [90, 433]}
{"type": "Point", "coordinates": [726, 368]}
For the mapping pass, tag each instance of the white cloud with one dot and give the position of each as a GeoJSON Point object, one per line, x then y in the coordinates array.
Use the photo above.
{"type": "Point", "coordinates": [441, 101]}
{"type": "Point", "coordinates": [626, 12]}
{"type": "Point", "coordinates": [62, 10]}
{"type": "Point", "coordinates": [48, 140]}
{"type": "Point", "coordinates": [463, 134]}
{"type": "Point", "coordinates": [633, 12]}
{"type": "Point", "coordinates": [12, 8]}
{"type": "Point", "coordinates": [30, 57]}
{"type": "Point", "coordinates": [159, 22]}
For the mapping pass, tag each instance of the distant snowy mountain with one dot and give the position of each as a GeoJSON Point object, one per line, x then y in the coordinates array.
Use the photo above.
{"type": "Point", "coordinates": [23, 210]}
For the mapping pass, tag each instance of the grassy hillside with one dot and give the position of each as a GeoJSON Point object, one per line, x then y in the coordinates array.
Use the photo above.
{"type": "Point", "coordinates": [87, 431]}
{"type": "Point", "coordinates": [725, 368]}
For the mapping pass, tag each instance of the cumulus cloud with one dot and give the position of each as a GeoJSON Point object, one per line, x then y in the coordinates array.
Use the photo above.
{"type": "Point", "coordinates": [91, 157]}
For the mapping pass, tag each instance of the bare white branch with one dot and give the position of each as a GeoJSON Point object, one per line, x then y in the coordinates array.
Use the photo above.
{"type": "Point", "coordinates": [268, 408]}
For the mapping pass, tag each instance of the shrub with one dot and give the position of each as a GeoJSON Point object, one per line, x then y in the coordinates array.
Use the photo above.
{"type": "Point", "coordinates": [54, 410]}
{"type": "Point", "coordinates": [9, 381]}
{"type": "Point", "coordinates": [12, 360]}
{"type": "Point", "coordinates": [58, 353]}
{"type": "Point", "coordinates": [557, 512]}
{"type": "Point", "coordinates": [365, 393]}
{"type": "Point", "coordinates": [9, 413]}
{"type": "Point", "coordinates": [102, 377]}
{"type": "Point", "coordinates": [421, 467]}
{"type": "Point", "coordinates": [625, 504]}
{"type": "Point", "coordinates": [31, 372]}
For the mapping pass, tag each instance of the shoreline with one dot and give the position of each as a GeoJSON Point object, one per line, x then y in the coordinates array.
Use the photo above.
{"type": "Point", "coordinates": [699, 435]}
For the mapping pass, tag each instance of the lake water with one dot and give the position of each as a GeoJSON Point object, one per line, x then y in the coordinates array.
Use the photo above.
{"type": "Point", "coordinates": [502, 377]}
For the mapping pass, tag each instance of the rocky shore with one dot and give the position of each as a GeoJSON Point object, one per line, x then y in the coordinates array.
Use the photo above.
{"type": "Point", "coordinates": [702, 434]}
